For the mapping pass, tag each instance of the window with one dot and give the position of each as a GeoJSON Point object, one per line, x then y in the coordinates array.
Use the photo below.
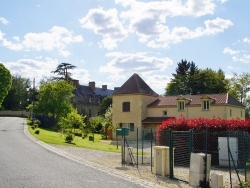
{"type": "Point", "coordinates": [180, 105]}
{"type": "Point", "coordinates": [126, 106]}
{"type": "Point", "coordinates": [206, 105]}
{"type": "Point", "coordinates": [165, 113]}
{"type": "Point", "coordinates": [132, 127]}
{"type": "Point", "coordinates": [240, 113]}
{"type": "Point", "coordinates": [230, 113]}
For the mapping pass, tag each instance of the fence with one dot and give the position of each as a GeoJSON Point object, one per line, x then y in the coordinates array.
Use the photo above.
{"type": "Point", "coordinates": [229, 150]}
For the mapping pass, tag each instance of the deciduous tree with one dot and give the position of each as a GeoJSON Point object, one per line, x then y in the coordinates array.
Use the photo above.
{"type": "Point", "coordinates": [5, 82]}
{"type": "Point", "coordinates": [55, 99]}
{"type": "Point", "coordinates": [18, 95]}
{"type": "Point", "coordinates": [240, 89]}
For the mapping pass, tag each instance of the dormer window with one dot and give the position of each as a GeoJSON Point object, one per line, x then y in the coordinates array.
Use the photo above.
{"type": "Point", "coordinates": [205, 105]}
{"type": "Point", "coordinates": [181, 105]}
{"type": "Point", "coordinates": [165, 113]}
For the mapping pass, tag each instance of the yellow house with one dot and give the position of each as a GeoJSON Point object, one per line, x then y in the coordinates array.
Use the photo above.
{"type": "Point", "coordinates": [136, 105]}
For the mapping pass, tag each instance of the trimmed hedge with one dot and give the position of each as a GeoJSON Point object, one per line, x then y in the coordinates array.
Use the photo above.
{"type": "Point", "coordinates": [215, 124]}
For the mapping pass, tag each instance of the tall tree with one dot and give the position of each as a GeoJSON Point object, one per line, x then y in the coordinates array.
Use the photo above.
{"type": "Point", "coordinates": [55, 99]}
{"type": "Point", "coordinates": [240, 89]}
{"type": "Point", "coordinates": [18, 96]}
{"type": "Point", "coordinates": [5, 82]}
{"type": "Point", "coordinates": [183, 80]}
{"type": "Point", "coordinates": [63, 71]}
{"type": "Point", "coordinates": [188, 79]}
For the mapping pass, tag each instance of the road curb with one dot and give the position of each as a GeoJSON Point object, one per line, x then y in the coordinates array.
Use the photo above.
{"type": "Point", "coordinates": [109, 171]}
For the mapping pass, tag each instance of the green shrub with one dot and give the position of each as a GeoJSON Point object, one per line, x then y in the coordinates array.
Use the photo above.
{"type": "Point", "coordinates": [69, 138]}
{"type": "Point", "coordinates": [37, 132]}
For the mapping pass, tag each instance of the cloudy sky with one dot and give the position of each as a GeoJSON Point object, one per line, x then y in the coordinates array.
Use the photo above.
{"type": "Point", "coordinates": [109, 40]}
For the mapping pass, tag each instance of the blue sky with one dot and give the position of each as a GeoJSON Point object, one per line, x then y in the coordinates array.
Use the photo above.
{"type": "Point", "coordinates": [109, 40]}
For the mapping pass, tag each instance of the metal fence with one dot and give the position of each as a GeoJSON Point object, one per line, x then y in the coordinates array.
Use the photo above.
{"type": "Point", "coordinates": [229, 150]}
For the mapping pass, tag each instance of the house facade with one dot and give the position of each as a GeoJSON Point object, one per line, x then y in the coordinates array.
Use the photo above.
{"type": "Point", "coordinates": [88, 98]}
{"type": "Point", "coordinates": [136, 105]}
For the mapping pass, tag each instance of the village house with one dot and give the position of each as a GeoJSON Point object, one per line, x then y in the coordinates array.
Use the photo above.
{"type": "Point", "coordinates": [136, 105]}
{"type": "Point", "coordinates": [88, 98]}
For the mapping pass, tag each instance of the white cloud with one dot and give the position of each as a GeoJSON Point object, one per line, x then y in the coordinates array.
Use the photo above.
{"type": "Point", "coordinates": [245, 58]}
{"type": "Point", "coordinates": [217, 25]}
{"type": "Point", "coordinates": [4, 21]}
{"type": "Point", "coordinates": [32, 68]}
{"type": "Point", "coordinates": [41, 68]}
{"type": "Point", "coordinates": [123, 65]}
{"type": "Point", "coordinates": [242, 55]}
{"type": "Point", "coordinates": [1, 35]}
{"type": "Point", "coordinates": [148, 20]}
{"type": "Point", "coordinates": [222, 1]}
{"type": "Point", "coordinates": [57, 38]}
{"type": "Point", "coordinates": [106, 24]}
{"type": "Point", "coordinates": [246, 40]}
{"type": "Point", "coordinates": [138, 9]}
{"type": "Point", "coordinates": [157, 82]}
{"type": "Point", "coordinates": [229, 51]}
{"type": "Point", "coordinates": [80, 74]}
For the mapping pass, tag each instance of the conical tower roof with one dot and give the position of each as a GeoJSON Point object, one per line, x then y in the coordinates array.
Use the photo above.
{"type": "Point", "coordinates": [135, 85]}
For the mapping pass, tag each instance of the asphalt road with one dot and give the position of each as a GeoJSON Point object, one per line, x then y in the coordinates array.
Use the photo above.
{"type": "Point", "coordinates": [23, 163]}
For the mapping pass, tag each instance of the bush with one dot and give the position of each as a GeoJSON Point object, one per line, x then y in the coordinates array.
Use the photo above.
{"type": "Point", "coordinates": [46, 121]}
{"type": "Point", "coordinates": [69, 138]}
{"type": "Point", "coordinates": [37, 132]}
{"type": "Point", "coordinates": [215, 124]}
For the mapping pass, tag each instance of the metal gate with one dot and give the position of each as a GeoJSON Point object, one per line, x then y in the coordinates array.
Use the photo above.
{"type": "Point", "coordinates": [181, 146]}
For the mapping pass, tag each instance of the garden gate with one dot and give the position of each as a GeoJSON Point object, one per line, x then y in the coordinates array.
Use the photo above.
{"type": "Point", "coordinates": [181, 146]}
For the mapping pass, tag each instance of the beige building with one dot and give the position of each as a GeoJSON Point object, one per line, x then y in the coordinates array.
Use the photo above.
{"type": "Point", "coordinates": [136, 105]}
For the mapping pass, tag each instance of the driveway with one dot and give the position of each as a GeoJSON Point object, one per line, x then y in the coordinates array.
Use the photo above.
{"type": "Point", "coordinates": [24, 163]}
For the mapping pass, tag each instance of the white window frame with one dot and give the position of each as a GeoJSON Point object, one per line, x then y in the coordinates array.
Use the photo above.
{"type": "Point", "coordinates": [205, 105]}
{"type": "Point", "coordinates": [181, 105]}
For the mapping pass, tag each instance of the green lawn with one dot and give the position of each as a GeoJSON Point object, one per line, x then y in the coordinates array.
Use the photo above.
{"type": "Point", "coordinates": [53, 137]}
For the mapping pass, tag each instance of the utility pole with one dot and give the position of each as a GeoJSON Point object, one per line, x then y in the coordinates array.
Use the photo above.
{"type": "Point", "coordinates": [32, 110]}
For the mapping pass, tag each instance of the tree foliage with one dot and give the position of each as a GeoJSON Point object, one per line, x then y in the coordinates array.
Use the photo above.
{"type": "Point", "coordinates": [71, 121]}
{"type": "Point", "coordinates": [55, 99]}
{"type": "Point", "coordinates": [17, 98]}
{"type": "Point", "coordinates": [105, 104]}
{"type": "Point", "coordinates": [96, 124]}
{"type": "Point", "coordinates": [240, 89]}
{"type": "Point", "coordinates": [63, 71]}
{"type": "Point", "coordinates": [107, 122]}
{"type": "Point", "coordinates": [188, 79]}
{"type": "Point", "coordinates": [5, 82]}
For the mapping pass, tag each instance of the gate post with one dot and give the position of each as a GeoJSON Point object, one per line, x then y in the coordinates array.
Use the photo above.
{"type": "Point", "coordinates": [171, 149]}
{"type": "Point", "coordinates": [191, 142]}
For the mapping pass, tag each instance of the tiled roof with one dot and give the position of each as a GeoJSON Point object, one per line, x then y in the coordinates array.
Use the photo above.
{"type": "Point", "coordinates": [155, 119]}
{"type": "Point", "coordinates": [86, 90]}
{"type": "Point", "coordinates": [104, 92]}
{"type": "Point", "coordinates": [217, 99]}
{"type": "Point", "coordinates": [135, 85]}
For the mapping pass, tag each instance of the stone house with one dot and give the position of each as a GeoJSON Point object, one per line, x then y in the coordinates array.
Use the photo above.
{"type": "Point", "coordinates": [88, 98]}
{"type": "Point", "coordinates": [136, 105]}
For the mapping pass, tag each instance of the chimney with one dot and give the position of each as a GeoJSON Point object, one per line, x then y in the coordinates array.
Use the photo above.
{"type": "Point", "coordinates": [92, 85]}
{"type": "Point", "coordinates": [104, 87]}
{"type": "Point", "coordinates": [76, 83]}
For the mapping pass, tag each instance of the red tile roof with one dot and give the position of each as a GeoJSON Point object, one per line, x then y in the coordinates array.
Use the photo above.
{"type": "Point", "coordinates": [158, 120]}
{"type": "Point", "coordinates": [217, 99]}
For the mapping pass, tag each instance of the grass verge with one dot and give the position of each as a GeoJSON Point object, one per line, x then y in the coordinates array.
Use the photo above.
{"type": "Point", "coordinates": [53, 137]}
